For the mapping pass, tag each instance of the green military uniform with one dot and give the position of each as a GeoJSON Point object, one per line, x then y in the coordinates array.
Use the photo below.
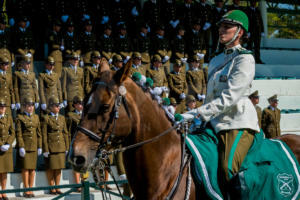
{"type": "Point", "coordinates": [7, 136]}
{"type": "Point", "coordinates": [257, 108]}
{"type": "Point", "coordinates": [178, 45]}
{"type": "Point", "coordinates": [178, 86]}
{"type": "Point", "coordinates": [134, 68]}
{"type": "Point", "coordinates": [6, 86]}
{"type": "Point", "coordinates": [90, 73]}
{"type": "Point", "coordinates": [107, 44]}
{"type": "Point", "coordinates": [73, 118]}
{"type": "Point", "coordinates": [24, 43]}
{"type": "Point", "coordinates": [142, 44]}
{"type": "Point", "coordinates": [71, 40]}
{"type": "Point", "coordinates": [55, 42]}
{"type": "Point", "coordinates": [49, 85]}
{"type": "Point", "coordinates": [6, 45]}
{"type": "Point", "coordinates": [157, 74]}
{"type": "Point", "coordinates": [123, 45]}
{"type": "Point", "coordinates": [72, 83]}
{"type": "Point", "coordinates": [270, 122]}
{"type": "Point", "coordinates": [29, 137]}
{"type": "Point", "coordinates": [55, 138]}
{"type": "Point", "coordinates": [196, 83]}
{"type": "Point", "coordinates": [116, 58]}
{"type": "Point", "coordinates": [88, 43]}
{"type": "Point", "coordinates": [196, 42]}
{"type": "Point", "coordinates": [25, 86]}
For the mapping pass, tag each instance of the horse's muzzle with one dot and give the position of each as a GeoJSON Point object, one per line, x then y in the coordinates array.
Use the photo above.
{"type": "Point", "coordinates": [78, 162]}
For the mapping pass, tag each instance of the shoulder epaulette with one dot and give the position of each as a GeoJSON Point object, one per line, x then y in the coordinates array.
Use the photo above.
{"type": "Point", "coordinates": [244, 51]}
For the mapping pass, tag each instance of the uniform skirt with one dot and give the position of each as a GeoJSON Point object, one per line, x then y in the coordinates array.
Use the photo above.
{"type": "Point", "coordinates": [28, 162]}
{"type": "Point", "coordinates": [6, 162]}
{"type": "Point", "coordinates": [56, 161]}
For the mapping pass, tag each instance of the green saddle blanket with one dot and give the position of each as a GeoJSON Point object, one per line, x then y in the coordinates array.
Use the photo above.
{"type": "Point", "coordinates": [269, 171]}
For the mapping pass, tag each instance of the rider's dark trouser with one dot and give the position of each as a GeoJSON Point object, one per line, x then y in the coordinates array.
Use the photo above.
{"type": "Point", "coordinates": [233, 148]}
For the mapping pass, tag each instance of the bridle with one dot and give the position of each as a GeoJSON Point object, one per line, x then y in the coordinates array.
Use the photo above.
{"type": "Point", "coordinates": [101, 161]}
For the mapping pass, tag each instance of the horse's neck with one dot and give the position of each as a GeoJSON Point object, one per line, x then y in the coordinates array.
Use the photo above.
{"type": "Point", "coordinates": [156, 164]}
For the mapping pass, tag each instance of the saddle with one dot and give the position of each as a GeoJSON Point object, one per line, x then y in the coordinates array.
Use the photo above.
{"type": "Point", "coordinates": [269, 171]}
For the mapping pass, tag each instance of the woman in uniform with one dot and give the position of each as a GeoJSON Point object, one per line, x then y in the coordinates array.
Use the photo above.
{"type": "Point", "coordinates": [29, 142]}
{"type": "Point", "coordinates": [55, 143]}
{"type": "Point", "coordinates": [7, 136]}
{"type": "Point", "coordinates": [227, 107]}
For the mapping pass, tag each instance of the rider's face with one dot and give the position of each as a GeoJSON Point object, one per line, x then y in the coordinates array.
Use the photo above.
{"type": "Point", "coordinates": [226, 32]}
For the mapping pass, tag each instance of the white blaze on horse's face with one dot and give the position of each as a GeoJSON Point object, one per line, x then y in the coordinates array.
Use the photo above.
{"type": "Point", "coordinates": [90, 99]}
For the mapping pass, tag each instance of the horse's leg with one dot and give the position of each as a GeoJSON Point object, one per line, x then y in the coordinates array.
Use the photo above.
{"type": "Point", "coordinates": [293, 141]}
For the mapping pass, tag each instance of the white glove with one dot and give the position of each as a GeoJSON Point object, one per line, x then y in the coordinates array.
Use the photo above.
{"type": "Point", "coordinates": [171, 109]}
{"type": "Point", "coordinates": [5, 147]}
{"type": "Point", "coordinates": [18, 106]}
{"type": "Point", "coordinates": [36, 105]}
{"type": "Point", "coordinates": [46, 154]}
{"type": "Point", "coordinates": [65, 103]}
{"type": "Point", "coordinates": [126, 59]}
{"type": "Point", "coordinates": [158, 99]}
{"type": "Point", "coordinates": [164, 89]}
{"type": "Point", "coordinates": [134, 11]}
{"type": "Point", "coordinates": [28, 55]}
{"type": "Point", "coordinates": [13, 106]}
{"type": "Point", "coordinates": [182, 96]}
{"type": "Point", "coordinates": [199, 96]}
{"type": "Point", "coordinates": [40, 151]}
{"type": "Point", "coordinates": [81, 63]}
{"type": "Point", "coordinates": [12, 64]}
{"type": "Point", "coordinates": [165, 59]}
{"type": "Point", "coordinates": [22, 152]}
{"type": "Point", "coordinates": [109, 61]}
{"type": "Point", "coordinates": [62, 47]}
{"type": "Point", "coordinates": [122, 177]}
{"type": "Point", "coordinates": [157, 91]}
{"type": "Point", "coordinates": [200, 55]}
{"type": "Point", "coordinates": [262, 34]}
{"type": "Point", "coordinates": [206, 26]}
{"type": "Point", "coordinates": [183, 60]}
{"type": "Point", "coordinates": [44, 106]}
{"type": "Point", "coordinates": [203, 96]}
{"type": "Point", "coordinates": [61, 105]}
{"type": "Point", "coordinates": [143, 80]}
{"type": "Point", "coordinates": [248, 34]}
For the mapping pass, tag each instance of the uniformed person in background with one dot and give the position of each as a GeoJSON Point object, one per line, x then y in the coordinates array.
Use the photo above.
{"type": "Point", "coordinates": [29, 143]}
{"type": "Point", "coordinates": [137, 64]}
{"type": "Point", "coordinates": [187, 11]}
{"type": "Point", "coordinates": [270, 122]}
{"type": "Point", "coordinates": [235, 6]}
{"type": "Point", "coordinates": [190, 103]}
{"type": "Point", "coordinates": [254, 97]}
{"type": "Point", "coordinates": [256, 30]}
{"type": "Point", "coordinates": [178, 86]}
{"type": "Point", "coordinates": [107, 43]}
{"type": "Point", "coordinates": [25, 84]}
{"type": "Point", "coordinates": [196, 81]}
{"type": "Point", "coordinates": [178, 45]}
{"type": "Point", "coordinates": [173, 105]}
{"type": "Point", "coordinates": [73, 119]}
{"type": "Point", "coordinates": [156, 72]}
{"type": "Point", "coordinates": [23, 42]}
{"type": "Point", "coordinates": [49, 85]}
{"type": "Point", "coordinates": [6, 48]}
{"type": "Point", "coordinates": [142, 44]}
{"type": "Point", "coordinates": [217, 13]}
{"type": "Point", "coordinates": [152, 13]}
{"type": "Point", "coordinates": [195, 42]}
{"type": "Point", "coordinates": [117, 62]}
{"type": "Point", "coordinates": [160, 45]}
{"type": "Point", "coordinates": [56, 46]}
{"type": "Point", "coordinates": [123, 44]}
{"type": "Point", "coordinates": [6, 85]}
{"type": "Point", "coordinates": [117, 12]}
{"type": "Point", "coordinates": [88, 41]}
{"type": "Point", "coordinates": [170, 16]}
{"type": "Point", "coordinates": [72, 81]}
{"type": "Point", "coordinates": [91, 71]}
{"type": "Point", "coordinates": [133, 12]}
{"type": "Point", "coordinates": [71, 39]}
{"type": "Point", "coordinates": [204, 14]}
{"type": "Point", "coordinates": [55, 143]}
{"type": "Point", "coordinates": [7, 136]}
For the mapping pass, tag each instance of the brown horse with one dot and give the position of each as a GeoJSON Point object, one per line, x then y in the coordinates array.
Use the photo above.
{"type": "Point", "coordinates": [151, 168]}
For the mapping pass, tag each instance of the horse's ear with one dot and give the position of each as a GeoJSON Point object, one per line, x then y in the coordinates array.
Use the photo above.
{"type": "Point", "coordinates": [103, 65]}
{"type": "Point", "coordinates": [123, 73]}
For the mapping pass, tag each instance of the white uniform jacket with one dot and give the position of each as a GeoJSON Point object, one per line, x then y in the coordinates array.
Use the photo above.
{"type": "Point", "coordinates": [227, 105]}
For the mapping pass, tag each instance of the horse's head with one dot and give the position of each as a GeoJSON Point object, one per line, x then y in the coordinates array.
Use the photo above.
{"type": "Point", "coordinates": [106, 117]}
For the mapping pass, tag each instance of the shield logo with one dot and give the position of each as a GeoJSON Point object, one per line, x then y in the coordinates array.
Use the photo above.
{"type": "Point", "coordinates": [285, 184]}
